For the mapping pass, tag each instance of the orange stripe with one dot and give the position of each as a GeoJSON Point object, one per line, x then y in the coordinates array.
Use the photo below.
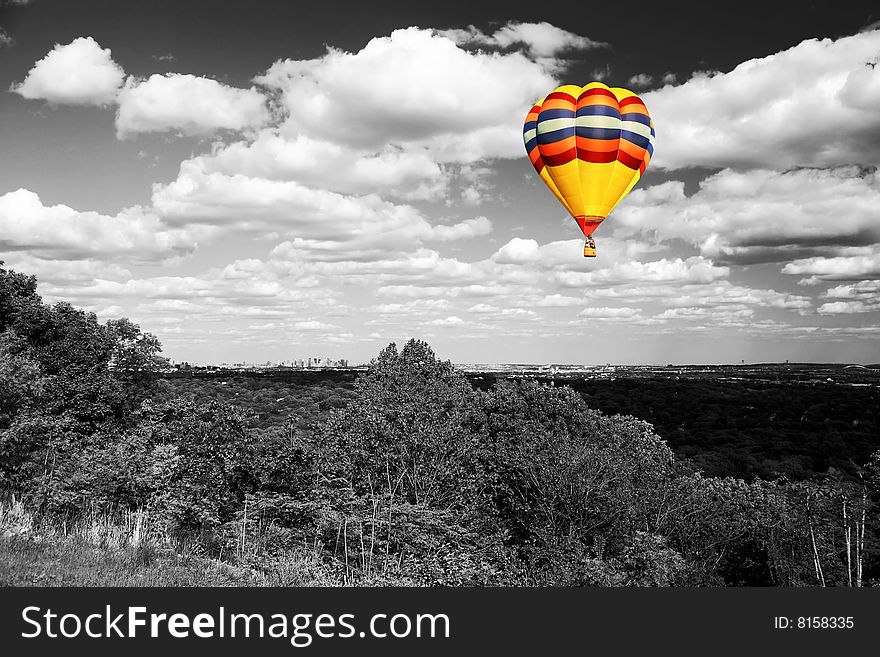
{"type": "Point", "coordinates": [596, 145]}
{"type": "Point", "coordinates": [557, 103]}
{"type": "Point", "coordinates": [586, 101]}
{"type": "Point", "coordinates": [631, 149]}
{"type": "Point", "coordinates": [557, 146]}
{"type": "Point", "coordinates": [634, 108]}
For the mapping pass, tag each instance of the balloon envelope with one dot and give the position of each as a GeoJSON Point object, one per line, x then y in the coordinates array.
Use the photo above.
{"type": "Point", "coordinates": [590, 145]}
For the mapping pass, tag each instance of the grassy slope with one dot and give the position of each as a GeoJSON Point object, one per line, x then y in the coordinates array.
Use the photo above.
{"type": "Point", "coordinates": [69, 561]}
{"type": "Point", "coordinates": [100, 551]}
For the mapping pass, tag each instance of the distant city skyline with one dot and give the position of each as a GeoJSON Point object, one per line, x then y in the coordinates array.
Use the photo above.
{"type": "Point", "coordinates": [253, 180]}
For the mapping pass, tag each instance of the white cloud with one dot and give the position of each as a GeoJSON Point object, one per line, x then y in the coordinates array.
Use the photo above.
{"type": "Point", "coordinates": [63, 271]}
{"type": "Point", "coordinates": [838, 268]}
{"type": "Point", "coordinates": [560, 301]}
{"type": "Point", "coordinates": [695, 269]}
{"type": "Point", "coordinates": [466, 229]}
{"type": "Point", "coordinates": [187, 104]}
{"type": "Point", "coordinates": [605, 312]}
{"type": "Point", "coordinates": [79, 73]}
{"type": "Point", "coordinates": [847, 307]}
{"type": "Point", "coordinates": [518, 251]}
{"type": "Point", "coordinates": [452, 320]}
{"type": "Point", "coordinates": [760, 215]}
{"type": "Point", "coordinates": [5, 39]}
{"type": "Point", "coordinates": [314, 220]}
{"type": "Point", "coordinates": [811, 105]}
{"type": "Point", "coordinates": [313, 325]}
{"type": "Point", "coordinates": [60, 232]}
{"type": "Point", "coordinates": [412, 88]}
{"type": "Point", "coordinates": [541, 40]}
{"type": "Point", "coordinates": [416, 306]}
{"type": "Point", "coordinates": [408, 174]}
{"type": "Point", "coordinates": [860, 297]}
{"type": "Point", "coordinates": [641, 80]}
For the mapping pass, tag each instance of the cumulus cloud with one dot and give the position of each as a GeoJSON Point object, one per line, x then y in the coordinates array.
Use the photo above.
{"type": "Point", "coordinates": [84, 73]}
{"type": "Point", "coordinates": [318, 220]}
{"type": "Point", "coordinates": [187, 104]}
{"type": "Point", "coordinates": [60, 232]}
{"type": "Point", "coordinates": [861, 297]}
{"type": "Point", "coordinates": [540, 40]}
{"type": "Point", "coordinates": [695, 269]}
{"type": "Point", "coordinates": [409, 174]}
{"type": "Point", "coordinates": [54, 271]}
{"type": "Point", "coordinates": [837, 268]}
{"type": "Point", "coordinates": [641, 80]}
{"type": "Point", "coordinates": [79, 73]}
{"type": "Point", "coordinates": [761, 215]}
{"type": "Point", "coordinates": [811, 105]}
{"type": "Point", "coordinates": [412, 88]}
{"type": "Point", "coordinates": [605, 312]}
{"type": "Point", "coordinates": [452, 320]}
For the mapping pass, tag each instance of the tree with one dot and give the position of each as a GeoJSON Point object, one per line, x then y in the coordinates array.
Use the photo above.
{"type": "Point", "coordinates": [409, 432]}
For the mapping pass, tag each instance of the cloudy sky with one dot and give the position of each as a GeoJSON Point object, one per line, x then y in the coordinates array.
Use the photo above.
{"type": "Point", "coordinates": [271, 180]}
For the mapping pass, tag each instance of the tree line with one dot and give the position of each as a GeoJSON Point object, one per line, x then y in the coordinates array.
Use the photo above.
{"type": "Point", "coordinates": [417, 478]}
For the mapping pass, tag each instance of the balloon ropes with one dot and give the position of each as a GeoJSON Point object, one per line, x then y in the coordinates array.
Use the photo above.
{"type": "Point", "coordinates": [590, 145]}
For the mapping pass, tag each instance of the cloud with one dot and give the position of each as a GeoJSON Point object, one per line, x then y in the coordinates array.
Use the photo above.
{"type": "Point", "coordinates": [644, 80]}
{"type": "Point", "coordinates": [412, 88]}
{"type": "Point", "coordinates": [408, 174]}
{"type": "Point", "coordinates": [695, 269]}
{"type": "Point", "coordinates": [518, 251]}
{"type": "Point", "coordinates": [314, 220]}
{"type": "Point", "coordinates": [79, 73]}
{"type": "Point", "coordinates": [53, 271]}
{"type": "Point", "coordinates": [187, 104]}
{"type": "Point", "coordinates": [540, 40]}
{"type": "Point", "coordinates": [861, 297]}
{"type": "Point", "coordinates": [84, 73]}
{"type": "Point", "coordinates": [5, 39]}
{"type": "Point", "coordinates": [837, 268]}
{"type": "Point", "coordinates": [760, 216]}
{"type": "Point", "coordinates": [313, 325]}
{"type": "Point", "coordinates": [467, 229]}
{"type": "Point", "coordinates": [559, 301]}
{"type": "Point", "coordinates": [604, 312]}
{"type": "Point", "coordinates": [452, 320]}
{"type": "Point", "coordinates": [641, 80]}
{"type": "Point", "coordinates": [62, 233]}
{"type": "Point", "coordinates": [811, 105]}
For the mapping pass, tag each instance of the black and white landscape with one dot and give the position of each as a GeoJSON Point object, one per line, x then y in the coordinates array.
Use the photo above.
{"type": "Point", "coordinates": [282, 300]}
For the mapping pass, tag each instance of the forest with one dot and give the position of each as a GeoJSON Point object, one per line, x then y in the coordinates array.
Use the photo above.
{"type": "Point", "coordinates": [407, 474]}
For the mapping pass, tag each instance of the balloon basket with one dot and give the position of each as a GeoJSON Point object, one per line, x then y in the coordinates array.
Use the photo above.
{"type": "Point", "coordinates": [589, 248]}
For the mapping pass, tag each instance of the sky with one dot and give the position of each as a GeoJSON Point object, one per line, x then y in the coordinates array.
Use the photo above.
{"type": "Point", "coordinates": [269, 180]}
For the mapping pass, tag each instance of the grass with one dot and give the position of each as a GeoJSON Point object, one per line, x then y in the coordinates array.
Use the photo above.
{"type": "Point", "coordinates": [125, 551]}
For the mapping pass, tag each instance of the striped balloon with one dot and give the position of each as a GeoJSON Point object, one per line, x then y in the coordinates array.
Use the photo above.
{"type": "Point", "coordinates": [590, 145]}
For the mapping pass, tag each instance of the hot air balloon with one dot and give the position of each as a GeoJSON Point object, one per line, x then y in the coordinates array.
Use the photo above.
{"type": "Point", "coordinates": [590, 145]}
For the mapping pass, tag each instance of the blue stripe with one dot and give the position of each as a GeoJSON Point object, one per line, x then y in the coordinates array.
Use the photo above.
{"type": "Point", "coordinates": [555, 114]}
{"type": "Point", "coordinates": [598, 110]}
{"type": "Point", "coordinates": [650, 150]}
{"type": "Point", "coordinates": [556, 135]}
{"type": "Point", "coordinates": [635, 138]}
{"type": "Point", "coordinates": [635, 116]}
{"type": "Point", "coordinates": [530, 144]}
{"type": "Point", "coordinates": [530, 125]}
{"type": "Point", "coordinates": [598, 133]}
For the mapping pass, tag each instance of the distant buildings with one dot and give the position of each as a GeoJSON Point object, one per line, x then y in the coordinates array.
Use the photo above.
{"type": "Point", "coordinates": [311, 362]}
